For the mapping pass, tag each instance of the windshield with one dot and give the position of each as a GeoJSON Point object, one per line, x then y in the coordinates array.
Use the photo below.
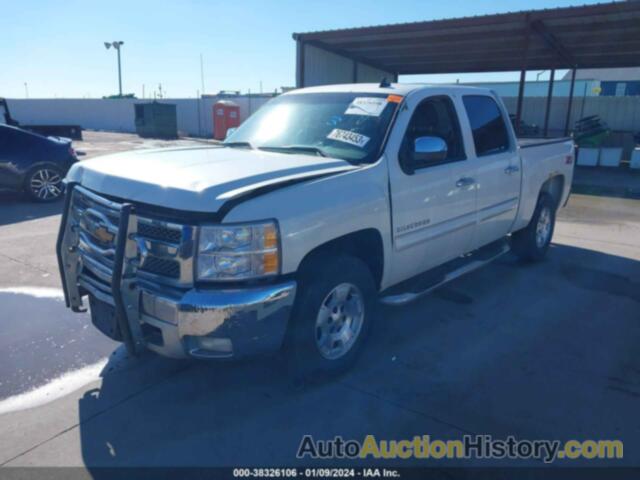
{"type": "Point", "coordinates": [350, 126]}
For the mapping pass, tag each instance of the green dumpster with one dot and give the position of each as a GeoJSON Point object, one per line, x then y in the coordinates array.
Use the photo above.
{"type": "Point", "coordinates": [156, 120]}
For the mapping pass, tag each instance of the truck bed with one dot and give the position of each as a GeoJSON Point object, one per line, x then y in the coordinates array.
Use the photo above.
{"type": "Point", "coordinates": [543, 158]}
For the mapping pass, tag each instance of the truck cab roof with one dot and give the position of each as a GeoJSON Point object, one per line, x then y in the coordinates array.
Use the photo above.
{"type": "Point", "coordinates": [393, 89]}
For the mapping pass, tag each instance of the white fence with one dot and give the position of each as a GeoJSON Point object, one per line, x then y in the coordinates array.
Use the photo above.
{"type": "Point", "coordinates": [195, 116]}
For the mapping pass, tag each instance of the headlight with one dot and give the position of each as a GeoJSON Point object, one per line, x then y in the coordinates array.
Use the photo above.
{"type": "Point", "coordinates": [238, 252]}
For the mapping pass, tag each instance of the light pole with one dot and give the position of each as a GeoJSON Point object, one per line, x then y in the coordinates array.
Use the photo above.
{"type": "Point", "coordinates": [116, 45]}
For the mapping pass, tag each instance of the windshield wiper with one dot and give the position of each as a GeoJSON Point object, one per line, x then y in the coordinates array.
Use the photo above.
{"type": "Point", "coordinates": [296, 149]}
{"type": "Point", "coordinates": [237, 145]}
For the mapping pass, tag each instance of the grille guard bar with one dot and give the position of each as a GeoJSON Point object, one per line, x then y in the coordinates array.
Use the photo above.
{"type": "Point", "coordinates": [67, 257]}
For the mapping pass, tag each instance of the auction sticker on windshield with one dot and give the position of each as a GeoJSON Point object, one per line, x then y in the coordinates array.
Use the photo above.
{"type": "Point", "coordinates": [346, 136]}
{"type": "Point", "coordinates": [370, 106]}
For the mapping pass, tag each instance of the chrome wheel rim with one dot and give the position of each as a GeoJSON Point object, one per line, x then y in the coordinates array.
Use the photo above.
{"type": "Point", "coordinates": [46, 184]}
{"type": "Point", "coordinates": [543, 228]}
{"type": "Point", "coordinates": [339, 321]}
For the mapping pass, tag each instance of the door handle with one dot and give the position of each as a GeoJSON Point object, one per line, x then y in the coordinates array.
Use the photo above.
{"type": "Point", "coordinates": [511, 169]}
{"type": "Point", "coordinates": [465, 182]}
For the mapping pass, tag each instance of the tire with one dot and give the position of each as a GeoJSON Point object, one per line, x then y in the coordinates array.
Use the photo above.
{"type": "Point", "coordinates": [336, 292]}
{"type": "Point", "coordinates": [531, 243]}
{"type": "Point", "coordinates": [44, 183]}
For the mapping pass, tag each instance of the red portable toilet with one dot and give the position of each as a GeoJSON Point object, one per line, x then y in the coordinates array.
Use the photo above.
{"type": "Point", "coordinates": [226, 115]}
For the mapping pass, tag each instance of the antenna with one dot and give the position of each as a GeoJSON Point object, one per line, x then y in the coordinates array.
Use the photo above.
{"type": "Point", "coordinates": [384, 83]}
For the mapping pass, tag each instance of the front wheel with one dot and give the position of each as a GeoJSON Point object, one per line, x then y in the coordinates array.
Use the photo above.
{"type": "Point", "coordinates": [532, 242]}
{"type": "Point", "coordinates": [332, 317]}
{"type": "Point", "coordinates": [44, 184]}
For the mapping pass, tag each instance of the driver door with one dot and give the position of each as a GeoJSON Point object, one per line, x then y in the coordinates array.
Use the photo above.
{"type": "Point", "coordinates": [433, 205]}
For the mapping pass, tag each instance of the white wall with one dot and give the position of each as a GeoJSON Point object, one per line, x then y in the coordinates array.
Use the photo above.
{"type": "Point", "coordinates": [195, 116]}
{"type": "Point", "coordinates": [620, 113]}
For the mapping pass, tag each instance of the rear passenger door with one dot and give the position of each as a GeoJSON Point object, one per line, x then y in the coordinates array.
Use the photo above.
{"type": "Point", "coordinates": [497, 168]}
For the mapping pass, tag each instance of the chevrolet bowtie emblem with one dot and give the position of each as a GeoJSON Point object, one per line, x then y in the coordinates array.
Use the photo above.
{"type": "Point", "coordinates": [102, 234]}
{"type": "Point", "coordinates": [96, 223]}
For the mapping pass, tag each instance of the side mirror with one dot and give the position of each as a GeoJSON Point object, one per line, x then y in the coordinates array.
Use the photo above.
{"type": "Point", "coordinates": [230, 132]}
{"type": "Point", "coordinates": [428, 150]}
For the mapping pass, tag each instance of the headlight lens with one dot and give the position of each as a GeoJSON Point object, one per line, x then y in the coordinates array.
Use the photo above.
{"type": "Point", "coordinates": [238, 252]}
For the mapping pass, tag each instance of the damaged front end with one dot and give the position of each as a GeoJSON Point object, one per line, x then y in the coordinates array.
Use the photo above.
{"type": "Point", "coordinates": [137, 268]}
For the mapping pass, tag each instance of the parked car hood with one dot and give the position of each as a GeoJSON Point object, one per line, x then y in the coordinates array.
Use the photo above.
{"type": "Point", "coordinates": [198, 179]}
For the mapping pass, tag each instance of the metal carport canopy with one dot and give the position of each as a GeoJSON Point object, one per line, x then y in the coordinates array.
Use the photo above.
{"type": "Point", "coordinates": [590, 36]}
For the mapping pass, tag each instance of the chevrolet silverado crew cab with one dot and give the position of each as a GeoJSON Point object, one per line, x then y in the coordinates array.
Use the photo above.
{"type": "Point", "coordinates": [324, 202]}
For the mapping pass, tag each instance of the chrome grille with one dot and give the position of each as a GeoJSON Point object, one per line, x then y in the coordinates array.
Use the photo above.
{"type": "Point", "coordinates": [158, 251]}
{"type": "Point", "coordinates": [96, 221]}
{"type": "Point", "coordinates": [161, 266]}
{"type": "Point", "coordinates": [156, 232]}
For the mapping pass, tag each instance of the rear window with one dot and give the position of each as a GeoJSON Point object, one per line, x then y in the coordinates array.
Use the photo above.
{"type": "Point", "coordinates": [487, 125]}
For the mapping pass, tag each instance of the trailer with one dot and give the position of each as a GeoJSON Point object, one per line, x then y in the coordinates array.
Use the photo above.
{"type": "Point", "coordinates": [69, 131]}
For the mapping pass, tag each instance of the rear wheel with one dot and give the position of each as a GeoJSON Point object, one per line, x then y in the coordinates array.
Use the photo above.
{"type": "Point", "coordinates": [532, 242]}
{"type": "Point", "coordinates": [44, 184]}
{"type": "Point", "coordinates": [332, 317]}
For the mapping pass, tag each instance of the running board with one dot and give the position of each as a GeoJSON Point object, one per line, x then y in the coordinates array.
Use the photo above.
{"type": "Point", "coordinates": [407, 297]}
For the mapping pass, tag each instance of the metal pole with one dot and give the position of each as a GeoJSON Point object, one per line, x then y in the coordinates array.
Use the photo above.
{"type": "Point", "coordinates": [119, 72]}
{"type": "Point", "coordinates": [199, 114]}
{"type": "Point", "coordinates": [566, 122]}
{"type": "Point", "coordinates": [202, 74]}
{"type": "Point", "coordinates": [548, 109]}
{"type": "Point", "coordinates": [523, 74]}
{"type": "Point", "coordinates": [520, 98]}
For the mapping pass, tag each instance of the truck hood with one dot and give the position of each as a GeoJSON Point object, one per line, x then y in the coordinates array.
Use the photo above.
{"type": "Point", "coordinates": [197, 179]}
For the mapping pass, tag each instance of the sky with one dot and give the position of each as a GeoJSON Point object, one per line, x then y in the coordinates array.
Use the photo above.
{"type": "Point", "coordinates": [56, 48]}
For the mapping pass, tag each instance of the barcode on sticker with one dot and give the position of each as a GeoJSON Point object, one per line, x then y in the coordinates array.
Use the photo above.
{"type": "Point", "coordinates": [346, 136]}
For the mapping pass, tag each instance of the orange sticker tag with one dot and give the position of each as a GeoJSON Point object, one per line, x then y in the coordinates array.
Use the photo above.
{"type": "Point", "coordinates": [394, 98]}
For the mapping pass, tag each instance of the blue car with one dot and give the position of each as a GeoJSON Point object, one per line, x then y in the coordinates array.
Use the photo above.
{"type": "Point", "coordinates": [34, 164]}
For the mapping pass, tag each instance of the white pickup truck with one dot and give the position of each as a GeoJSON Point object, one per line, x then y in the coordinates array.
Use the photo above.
{"type": "Point", "coordinates": [324, 202]}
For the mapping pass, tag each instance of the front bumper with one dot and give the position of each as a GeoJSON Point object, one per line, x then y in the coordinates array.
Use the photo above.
{"type": "Point", "coordinates": [174, 320]}
{"type": "Point", "coordinates": [217, 323]}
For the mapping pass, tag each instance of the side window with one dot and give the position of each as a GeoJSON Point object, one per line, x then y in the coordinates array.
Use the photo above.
{"type": "Point", "coordinates": [487, 125]}
{"type": "Point", "coordinates": [434, 117]}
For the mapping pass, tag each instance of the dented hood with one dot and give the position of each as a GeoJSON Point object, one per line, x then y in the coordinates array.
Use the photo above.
{"type": "Point", "coordinates": [198, 179]}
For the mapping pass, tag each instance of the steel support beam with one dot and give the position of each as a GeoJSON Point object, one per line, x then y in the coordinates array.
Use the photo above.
{"type": "Point", "coordinates": [548, 108]}
{"type": "Point", "coordinates": [523, 75]}
{"type": "Point", "coordinates": [573, 82]}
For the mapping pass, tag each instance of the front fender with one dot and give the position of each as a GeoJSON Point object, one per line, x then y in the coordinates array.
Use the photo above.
{"type": "Point", "coordinates": [313, 213]}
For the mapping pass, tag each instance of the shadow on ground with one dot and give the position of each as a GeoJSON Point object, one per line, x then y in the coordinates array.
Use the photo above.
{"type": "Point", "coordinates": [548, 350]}
{"type": "Point", "coordinates": [15, 207]}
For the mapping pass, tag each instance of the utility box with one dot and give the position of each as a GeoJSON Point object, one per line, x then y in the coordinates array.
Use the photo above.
{"type": "Point", "coordinates": [156, 120]}
{"type": "Point", "coordinates": [226, 115]}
